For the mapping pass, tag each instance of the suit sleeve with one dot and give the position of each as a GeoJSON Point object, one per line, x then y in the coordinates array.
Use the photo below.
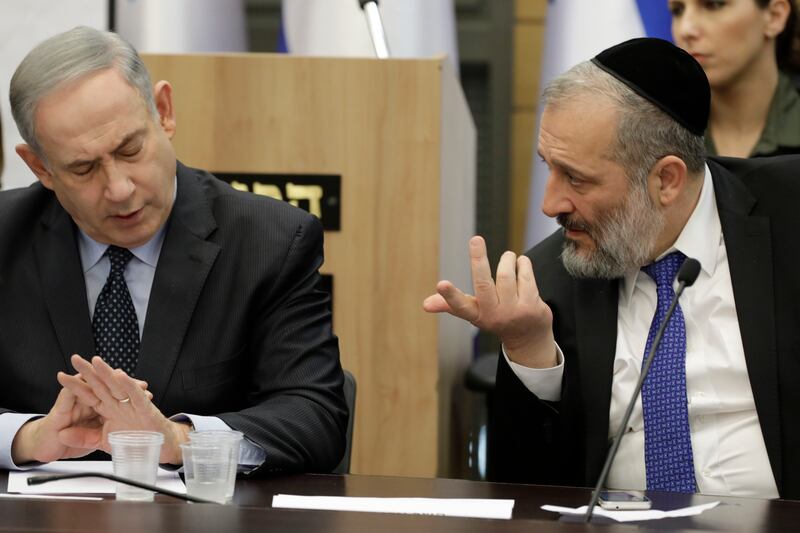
{"type": "Point", "coordinates": [298, 414]}
{"type": "Point", "coordinates": [524, 433]}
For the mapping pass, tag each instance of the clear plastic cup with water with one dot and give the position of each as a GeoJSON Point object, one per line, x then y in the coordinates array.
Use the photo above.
{"type": "Point", "coordinates": [229, 439]}
{"type": "Point", "coordinates": [134, 455]}
{"type": "Point", "coordinates": [205, 470]}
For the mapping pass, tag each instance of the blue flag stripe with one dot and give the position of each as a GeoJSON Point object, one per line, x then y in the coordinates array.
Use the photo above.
{"type": "Point", "coordinates": [655, 18]}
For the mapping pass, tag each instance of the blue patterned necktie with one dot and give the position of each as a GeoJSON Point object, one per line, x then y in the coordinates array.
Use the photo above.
{"type": "Point", "coordinates": [115, 326]}
{"type": "Point", "coordinates": [667, 442]}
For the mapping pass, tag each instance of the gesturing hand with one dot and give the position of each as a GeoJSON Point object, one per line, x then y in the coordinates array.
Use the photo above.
{"type": "Point", "coordinates": [511, 308]}
{"type": "Point", "coordinates": [123, 405]}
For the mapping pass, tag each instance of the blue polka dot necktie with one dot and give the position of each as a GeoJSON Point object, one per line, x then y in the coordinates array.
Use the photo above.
{"type": "Point", "coordinates": [667, 441]}
{"type": "Point", "coordinates": [115, 327]}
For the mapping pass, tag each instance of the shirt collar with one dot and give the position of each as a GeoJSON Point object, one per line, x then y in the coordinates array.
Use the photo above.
{"type": "Point", "coordinates": [699, 238]}
{"type": "Point", "coordinates": [92, 251]}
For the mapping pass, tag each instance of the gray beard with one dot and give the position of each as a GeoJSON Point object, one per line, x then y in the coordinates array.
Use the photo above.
{"type": "Point", "coordinates": [624, 237]}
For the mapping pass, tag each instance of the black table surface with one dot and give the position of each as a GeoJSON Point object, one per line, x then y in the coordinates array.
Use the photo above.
{"type": "Point", "coordinates": [251, 510]}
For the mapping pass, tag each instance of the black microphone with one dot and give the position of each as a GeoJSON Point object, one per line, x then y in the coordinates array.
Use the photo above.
{"type": "Point", "coordinates": [686, 277]}
{"type": "Point", "coordinates": [376, 30]}
{"type": "Point", "coordinates": [38, 480]}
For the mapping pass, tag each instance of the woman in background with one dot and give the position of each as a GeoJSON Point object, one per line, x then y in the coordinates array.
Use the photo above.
{"type": "Point", "coordinates": [742, 46]}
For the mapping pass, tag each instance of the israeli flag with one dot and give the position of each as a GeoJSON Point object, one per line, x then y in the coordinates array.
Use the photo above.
{"type": "Point", "coordinates": [181, 26]}
{"type": "Point", "coordinates": [576, 31]}
{"type": "Point", "coordinates": [414, 28]}
{"type": "Point", "coordinates": [23, 25]}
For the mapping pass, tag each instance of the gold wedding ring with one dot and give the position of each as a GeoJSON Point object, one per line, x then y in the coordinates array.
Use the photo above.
{"type": "Point", "coordinates": [124, 400]}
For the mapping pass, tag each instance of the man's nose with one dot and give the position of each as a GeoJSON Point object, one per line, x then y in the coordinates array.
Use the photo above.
{"type": "Point", "coordinates": [556, 201]}
{"type": "Point", "coordinates": [119, 186]}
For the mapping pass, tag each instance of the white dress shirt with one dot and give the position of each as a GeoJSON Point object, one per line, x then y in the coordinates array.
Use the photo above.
{"type": "Point", "coordinates": [730, 457]}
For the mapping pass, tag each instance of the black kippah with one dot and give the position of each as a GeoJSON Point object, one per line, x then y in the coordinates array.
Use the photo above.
{"type": "Point", "coordinates": [665, 75]}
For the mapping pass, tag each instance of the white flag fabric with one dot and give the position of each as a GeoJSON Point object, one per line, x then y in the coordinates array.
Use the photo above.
{"type": "Point", "coordinates": [414, 28]}
{"type": "Point", "coordinates": [576, 31]}
{"type": "Point", "coordinates": [178, 26]}
{"type": "Point", "coordinates": [23, 25]}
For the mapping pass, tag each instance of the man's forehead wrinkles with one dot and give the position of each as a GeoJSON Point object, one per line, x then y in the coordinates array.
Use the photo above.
{"type": "Point", "coordinates": [127, 139]}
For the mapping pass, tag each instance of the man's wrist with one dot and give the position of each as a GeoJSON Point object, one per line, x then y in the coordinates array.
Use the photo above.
{"type": "Point", "coordinates": [22, 449]}
{"type": "Point", "coordinates": [541, 354]}
{"type": "Point", "coordinates": [180, 432]}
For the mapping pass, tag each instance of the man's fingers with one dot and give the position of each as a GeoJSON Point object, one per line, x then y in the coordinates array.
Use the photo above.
{"type": "Point", "coordinates": [460, 305]}
{"type": "Point", "coordinates": [482, 281]}
{"type": "Point", "coordinates": [81, 437]}
{"type": "Point", "coordinates": [112, 378]}
{"type": "Point", "coordinates": [107, 404]}
{"type": "Point", "coordinates": [507, 278]}
{"type": "Point", "coordinates": [527, 289]}
{"type": "Point", "coordinates": [435, 303]}
{"type": "Point", "coordinates": [76, 388]}
{"type": "Point", "coordinates": [138, 397]}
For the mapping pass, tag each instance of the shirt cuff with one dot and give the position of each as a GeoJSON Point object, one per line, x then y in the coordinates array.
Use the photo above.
{"type": "Point", "coordinates": [10, 424]}
{"type": "Point", "coordinates": [251, 455]}
{"type": "Point", "coordinates": [545, 383]}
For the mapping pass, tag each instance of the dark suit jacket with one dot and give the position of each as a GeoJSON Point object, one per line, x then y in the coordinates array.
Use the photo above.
{"type": "Point", "coordinates": [566, 442]}
{"type": "Point", "coordinates": [236, 326]}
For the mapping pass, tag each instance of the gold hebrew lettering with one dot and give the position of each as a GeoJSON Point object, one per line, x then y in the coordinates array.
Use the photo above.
{"type": "Point", "coordinates": [312, 193]}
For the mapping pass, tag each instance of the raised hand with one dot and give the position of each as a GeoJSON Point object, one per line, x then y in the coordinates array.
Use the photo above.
{"type": "Point", "coordinates": [122, 403]}
{"type": "Point", "coordinates": [510, 308]}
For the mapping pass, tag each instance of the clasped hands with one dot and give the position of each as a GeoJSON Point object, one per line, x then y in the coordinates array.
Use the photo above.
{"type": "Point", "coordinates": [510, 308]}
{"type": "Point", "coordinates": [90, 405]}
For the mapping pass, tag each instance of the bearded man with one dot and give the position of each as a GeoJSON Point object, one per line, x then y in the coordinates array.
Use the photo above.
{"type": "Point", "coordinates": [622, 136]}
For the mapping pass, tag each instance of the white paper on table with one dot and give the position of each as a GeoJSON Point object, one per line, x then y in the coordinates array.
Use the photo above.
{"type": "Point", "coordinates": [633, 516]}
{"type": "Point", "coordinates": [17, 480]}
{"type": "Point", "coordinates": [469, 508]}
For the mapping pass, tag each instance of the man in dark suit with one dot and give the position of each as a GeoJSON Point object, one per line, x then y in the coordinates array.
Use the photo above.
{"type": "Point", "coordinates": [622, 136]}
{"type": "Point", "coordinates": [210, 297]}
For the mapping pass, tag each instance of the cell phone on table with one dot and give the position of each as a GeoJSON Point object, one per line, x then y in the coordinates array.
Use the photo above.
{"type": "Point", "coordinates": [623, 500]}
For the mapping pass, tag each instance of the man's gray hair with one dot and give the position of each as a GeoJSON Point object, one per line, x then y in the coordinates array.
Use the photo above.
{"type": "Point", "coordinates": [67, 57]}
{"type": "Point", "coordinates": [645, 133]}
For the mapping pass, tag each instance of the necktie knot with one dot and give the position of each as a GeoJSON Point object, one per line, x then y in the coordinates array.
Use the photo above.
{"type": "Point", "coordinates": [665, 269]}
{"type": "Point", "coordinates": [119, 257]}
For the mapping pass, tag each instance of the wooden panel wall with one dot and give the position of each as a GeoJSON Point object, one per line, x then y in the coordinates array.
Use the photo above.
{"type": "Point", "coordinates": [377, 124]}
{"type": "Point", "coordinates": [529, 25]}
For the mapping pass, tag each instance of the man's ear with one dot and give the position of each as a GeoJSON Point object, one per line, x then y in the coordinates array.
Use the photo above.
{"type": "Point", "coordinates": [669, 177]}
{"type": "Point", "coordinates": [36, 164]}
{"type": "Point", "coordinates": [162, 95]}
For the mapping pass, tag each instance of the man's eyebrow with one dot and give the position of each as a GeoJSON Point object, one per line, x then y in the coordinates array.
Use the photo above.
{"type": "Point", "coordinates": [569, 169]}
{"type": "Point", "coordinates": [128, 138]}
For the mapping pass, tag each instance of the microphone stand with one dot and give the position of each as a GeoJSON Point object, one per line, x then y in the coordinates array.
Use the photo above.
{"type": "Point", "coordinates": [376, 30]}
{"type": "Point", "coordinates": [686, 277]}
{"type": "Point", "coordinates": [38, 480]}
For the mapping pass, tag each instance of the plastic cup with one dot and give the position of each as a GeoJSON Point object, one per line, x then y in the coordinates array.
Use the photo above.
{"type": "Point", "coordinates": [134, 455]}
{"type": "Point", "coordinates": [205, 470]}
{"type": "Point", "coordinates": [231, 440]}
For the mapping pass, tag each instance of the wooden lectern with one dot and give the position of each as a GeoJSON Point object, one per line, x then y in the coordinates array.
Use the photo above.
{"type": "Point", "coordinates": [399, 135]}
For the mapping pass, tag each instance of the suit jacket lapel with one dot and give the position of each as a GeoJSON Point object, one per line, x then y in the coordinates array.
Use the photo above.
{"type": "Point", "coordinates": [596, 331]}
{"type": "Point", "coordinates": [61, 275]}
{"type": "Point", "coordinates": [183, 266]}
{"type": "Point", "coordinates": [749, 246]}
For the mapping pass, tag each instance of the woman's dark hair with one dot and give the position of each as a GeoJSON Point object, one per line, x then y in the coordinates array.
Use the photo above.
{"type": "Point", "coordinates": [787, 44]}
